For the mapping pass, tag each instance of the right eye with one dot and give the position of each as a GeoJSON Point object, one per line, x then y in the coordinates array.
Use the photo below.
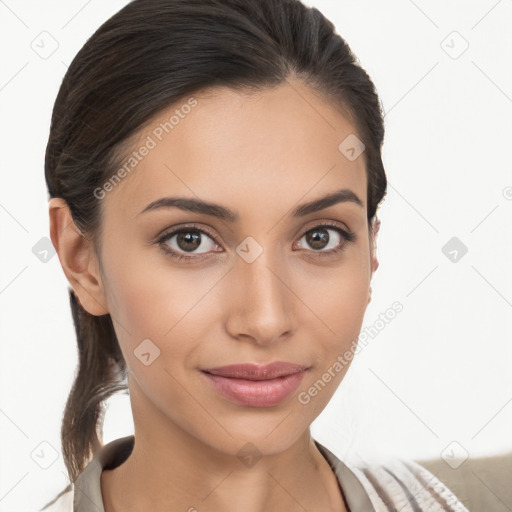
{"type": "Point", "coordinates": [186, 240]}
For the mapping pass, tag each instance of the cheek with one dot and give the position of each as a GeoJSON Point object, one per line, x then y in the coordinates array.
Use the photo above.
{"type": "Point", "coordinates": [347, 304]}
{"type": "Point", "coordinates": [149, 300]}
{"type": "Point", "coordinates": [339, 293]}
{"type": "Point", "coordinates": [337, 302]}
{"type": "Point", "coordinates": [154, 331]}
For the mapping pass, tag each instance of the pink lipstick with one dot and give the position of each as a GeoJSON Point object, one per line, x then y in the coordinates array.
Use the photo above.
{"type": "Point", "coordinates": [254, 385]}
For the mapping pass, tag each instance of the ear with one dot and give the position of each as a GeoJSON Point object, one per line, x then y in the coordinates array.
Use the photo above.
{"type": "Point", "coordinates": [77, 258]}
{"type": "Point", "coordinates": [374, 262]}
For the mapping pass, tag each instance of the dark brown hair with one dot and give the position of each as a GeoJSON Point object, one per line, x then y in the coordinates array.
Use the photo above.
{"type": "Point", "coordinates": [145, 58]}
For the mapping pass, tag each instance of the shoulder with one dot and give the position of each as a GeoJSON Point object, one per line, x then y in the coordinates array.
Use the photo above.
{"type": "Point", "coordinates": [88, 482]}
{"type": "Point", "coordinates": [63, 502]}
{"type": "Point", "coordinates": [397, 483]}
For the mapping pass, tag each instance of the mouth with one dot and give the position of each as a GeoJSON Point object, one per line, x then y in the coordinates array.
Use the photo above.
{"type": "Point", "coordinates": [252, 371]}
{"type": "Point", "coordinates": [254, 385]}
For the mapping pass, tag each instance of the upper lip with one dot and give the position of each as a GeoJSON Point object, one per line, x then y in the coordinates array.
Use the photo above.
{"type": "Point", "coordinates": [252, 371]}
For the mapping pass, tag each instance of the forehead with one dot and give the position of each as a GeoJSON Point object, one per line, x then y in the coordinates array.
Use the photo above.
{"type": "Point", "coordinates": [263, 151]}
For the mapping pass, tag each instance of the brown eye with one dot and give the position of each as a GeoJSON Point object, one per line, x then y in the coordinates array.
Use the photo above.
{"type": "Point", "coordinates": [318, 238]}
{"type": "Point", "coordinates": [321, 239]}
{"type": "Point", "coordinates": [187, 240]}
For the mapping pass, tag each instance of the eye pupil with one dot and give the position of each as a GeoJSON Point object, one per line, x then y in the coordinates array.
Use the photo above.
{"type": "Point", "coordinates": [318, 238]}
{"type": "Point", "coordinates": [188, 237]}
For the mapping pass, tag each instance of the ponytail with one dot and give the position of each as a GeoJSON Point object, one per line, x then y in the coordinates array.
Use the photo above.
{"type": "Point", "coordinates": [101, 373]}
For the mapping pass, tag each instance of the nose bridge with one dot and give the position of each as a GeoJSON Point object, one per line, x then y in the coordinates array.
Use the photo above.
{"type": "Point", "coordinates": [261, 301]}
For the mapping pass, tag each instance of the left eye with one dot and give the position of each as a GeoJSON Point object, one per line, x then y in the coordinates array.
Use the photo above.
{"type": "Point", "coordinates": [318, 238]}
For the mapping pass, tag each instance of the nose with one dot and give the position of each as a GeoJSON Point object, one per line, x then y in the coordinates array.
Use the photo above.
{"type": "Point", "coordinates": [260, 302]}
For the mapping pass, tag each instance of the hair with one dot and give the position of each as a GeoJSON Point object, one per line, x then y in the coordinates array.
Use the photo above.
{"type": "Point", "coordinates": [146, 57]}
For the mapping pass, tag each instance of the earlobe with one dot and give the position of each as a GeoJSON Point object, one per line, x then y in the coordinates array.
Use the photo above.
{"type": "Point", "coordinates": [374, 260]}
{"type": "Point", "coordinates": [77, 258]}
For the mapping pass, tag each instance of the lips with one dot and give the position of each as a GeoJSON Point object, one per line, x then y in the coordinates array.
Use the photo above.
{"type": "Point", "coordinates": [256, 386]}
{"type": "Point", "coordinates": [256, 372]}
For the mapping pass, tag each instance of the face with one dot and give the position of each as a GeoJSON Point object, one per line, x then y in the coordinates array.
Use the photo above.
{"type": "Point", "coordinates": [189, 291]}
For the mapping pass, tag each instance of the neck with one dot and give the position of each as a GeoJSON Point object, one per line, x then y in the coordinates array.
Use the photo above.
{"type": "Point", "coordinates": [170, 469]}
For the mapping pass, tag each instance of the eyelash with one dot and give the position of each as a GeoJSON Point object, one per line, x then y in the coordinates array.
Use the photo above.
{"type": "Point", "coordinates": [348, 237]}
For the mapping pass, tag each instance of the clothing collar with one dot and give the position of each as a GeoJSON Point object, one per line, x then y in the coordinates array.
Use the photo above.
{"type": "Point", "coordinates": [87, 488]}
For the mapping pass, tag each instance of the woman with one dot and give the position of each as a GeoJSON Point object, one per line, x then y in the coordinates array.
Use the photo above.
{"type": "Point", "coordinates": [214, 170]}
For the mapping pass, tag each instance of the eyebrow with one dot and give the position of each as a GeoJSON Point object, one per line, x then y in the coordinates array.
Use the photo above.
{"type": "Point", "coordinates": [344, 195]}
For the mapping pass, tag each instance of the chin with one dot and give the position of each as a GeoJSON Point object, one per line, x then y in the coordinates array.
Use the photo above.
{"type": "Point", "coordinates": [264, 432]}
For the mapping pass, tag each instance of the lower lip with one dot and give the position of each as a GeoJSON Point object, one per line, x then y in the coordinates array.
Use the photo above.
{"type": "Point", "coordinates": [256, 393]}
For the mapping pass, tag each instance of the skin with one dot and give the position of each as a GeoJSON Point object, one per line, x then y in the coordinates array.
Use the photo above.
{"type": "Point", "coordinates": [260, 154]}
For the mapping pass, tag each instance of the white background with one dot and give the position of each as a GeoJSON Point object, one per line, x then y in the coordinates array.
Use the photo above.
{"type": "Point", "coordinates": [439, 372]}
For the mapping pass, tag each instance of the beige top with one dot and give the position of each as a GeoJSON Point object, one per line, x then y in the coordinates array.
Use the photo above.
{"type": "Point", "coordinates": [395, 484]}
